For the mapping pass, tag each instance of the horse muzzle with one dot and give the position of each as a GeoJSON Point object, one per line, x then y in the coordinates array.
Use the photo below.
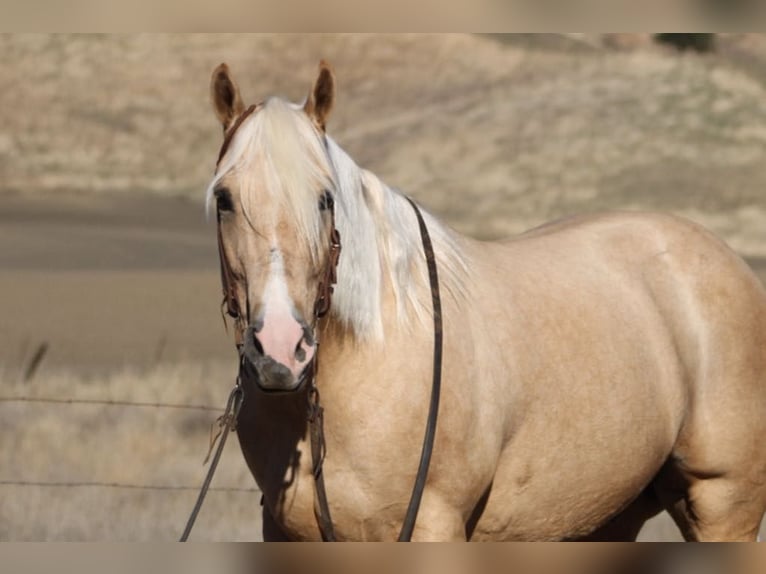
{"type": "Point", "coordinates": [277, 364]}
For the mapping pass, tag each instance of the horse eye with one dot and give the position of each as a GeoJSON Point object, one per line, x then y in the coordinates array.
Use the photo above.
{"type": "Point", "coordinates": [326, 201]}
{"type": "Point", "coordinates": [223, 199]}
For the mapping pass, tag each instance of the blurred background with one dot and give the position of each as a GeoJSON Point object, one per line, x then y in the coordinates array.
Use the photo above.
{"type": "Point", "coordinates": [109, 287]}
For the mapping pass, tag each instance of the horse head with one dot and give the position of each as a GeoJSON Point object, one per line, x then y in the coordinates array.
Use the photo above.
{"type": "Point", "coordinates": [274, 190]}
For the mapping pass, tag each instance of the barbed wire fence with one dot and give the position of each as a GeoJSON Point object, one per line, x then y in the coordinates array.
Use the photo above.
{"type": "Point", "coordinates": [115, 485]}
{"type": "Point", "coordinates": [31, 359]}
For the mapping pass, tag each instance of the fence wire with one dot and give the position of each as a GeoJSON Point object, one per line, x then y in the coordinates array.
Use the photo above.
{"type": "Point", "coordinates": [121, 485]}
{"type": "Point", "coordinates": [116, 485]}
{"type": "Point", "coordinates": [110, 402]}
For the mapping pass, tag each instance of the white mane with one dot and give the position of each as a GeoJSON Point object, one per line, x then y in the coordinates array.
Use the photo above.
{"type": "Point", "coordinates": [381, 245]}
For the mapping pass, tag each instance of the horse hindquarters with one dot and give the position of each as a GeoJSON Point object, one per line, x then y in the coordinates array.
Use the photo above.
{"type": "Point", "coordinates": [690, 357]}
{"type": "Point", "coordinates": [714, 484]}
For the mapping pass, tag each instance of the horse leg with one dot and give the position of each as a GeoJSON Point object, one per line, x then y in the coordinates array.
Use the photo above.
{"type": "Point", "coordinates": [718, 508]}
{"type": "Point", "coordinates": [725, 508]}
{"type": "Point", "coordinates": [711, 503]}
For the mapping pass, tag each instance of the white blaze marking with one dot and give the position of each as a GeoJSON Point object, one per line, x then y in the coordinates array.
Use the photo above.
{"type": "Point", "coordinates": [281, 332]}
{"type": "Point", "coordinates": [275, 294]}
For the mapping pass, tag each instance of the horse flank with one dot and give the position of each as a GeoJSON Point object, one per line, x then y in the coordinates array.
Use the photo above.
{"type": "Point", "coordinates": [378, 228]}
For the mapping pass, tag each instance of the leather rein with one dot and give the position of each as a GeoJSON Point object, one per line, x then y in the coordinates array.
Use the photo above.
{"type": "Point", "coordinates": [315, 415]}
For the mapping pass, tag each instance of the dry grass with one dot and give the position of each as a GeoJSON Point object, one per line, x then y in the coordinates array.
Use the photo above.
{"type": "Point", "coordinates": [141, 446]}
{"type": "Point", "coordinates": [495, 133]}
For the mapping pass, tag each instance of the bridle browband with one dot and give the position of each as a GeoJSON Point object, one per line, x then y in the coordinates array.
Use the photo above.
{"type": "Point", "coordinates": [321, 308]}
{"type": "Point", "coordinates": [232, 129]}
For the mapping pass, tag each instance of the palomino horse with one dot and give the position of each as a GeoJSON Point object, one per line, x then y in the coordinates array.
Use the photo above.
{"type": "Point", "coordinates": [596, 370]}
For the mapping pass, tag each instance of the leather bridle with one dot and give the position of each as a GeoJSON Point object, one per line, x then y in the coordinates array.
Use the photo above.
{"type": "Point", "coordinates": [229, 281]}
{"type": "Point", "coordinates": [321, 308]}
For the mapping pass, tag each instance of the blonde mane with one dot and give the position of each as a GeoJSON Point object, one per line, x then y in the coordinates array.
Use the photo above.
{"type": "Point", "coordinates": [379, 231]}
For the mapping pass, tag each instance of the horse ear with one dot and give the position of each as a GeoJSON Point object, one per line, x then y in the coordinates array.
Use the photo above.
{"type": "Point", "coordinates": [320, 100]}
{"type": "Point", "coordinates": [227, 102]}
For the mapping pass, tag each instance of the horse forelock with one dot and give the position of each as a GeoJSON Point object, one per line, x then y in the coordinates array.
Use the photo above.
{"type": "Point", "coordinates": [279, 152]}
{"type": "Point", "coordinates": [278, 155]}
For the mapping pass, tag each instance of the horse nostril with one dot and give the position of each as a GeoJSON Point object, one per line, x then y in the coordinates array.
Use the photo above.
{"type": "Point", "coordinates": [251, 346]}
{"type": "Point", "coordinates": [300, 352]}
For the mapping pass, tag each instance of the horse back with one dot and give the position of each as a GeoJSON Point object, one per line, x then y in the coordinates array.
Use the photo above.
{"type": "Point", "coordinates": [697, 288]}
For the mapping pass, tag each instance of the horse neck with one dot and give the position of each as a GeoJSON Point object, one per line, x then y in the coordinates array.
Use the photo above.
{"type": "Point", "coordinates": [381, 274]}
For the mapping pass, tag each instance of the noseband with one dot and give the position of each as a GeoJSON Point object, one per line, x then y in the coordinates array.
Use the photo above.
{"type": "Point", "coordinates": [321, 308]}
